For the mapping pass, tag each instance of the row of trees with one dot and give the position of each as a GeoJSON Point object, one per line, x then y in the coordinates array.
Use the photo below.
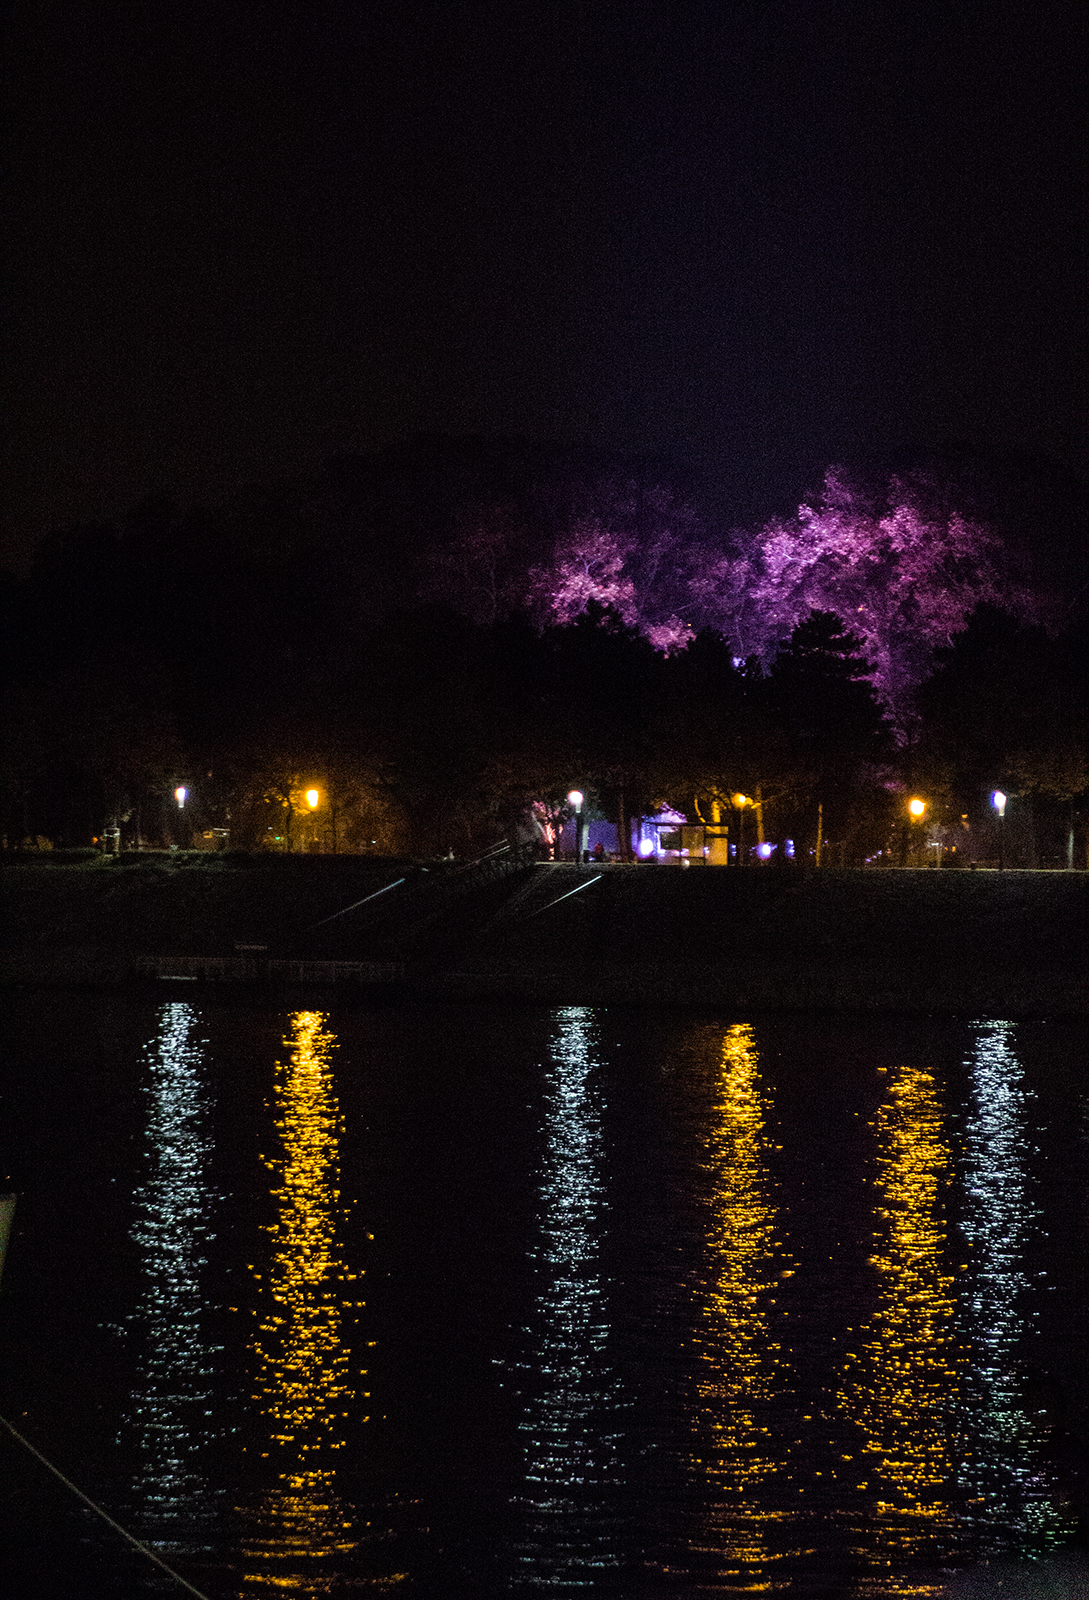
{"type": "Point", "coordinates": [442, 634]}
{"type": "Point", "coordinates": [294, 575]}
{"type": "Point", "coordinates": [440, 734]}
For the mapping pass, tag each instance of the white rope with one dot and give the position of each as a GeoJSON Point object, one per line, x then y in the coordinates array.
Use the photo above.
{"type": "Point", "coordinates": [143, 1549]}
{"type": "Point", "coordinates": [490, 855]}
{"type": "Point", "coordinates": [566, 896]}
{"type": "Point", "coordinates": [352, 907]}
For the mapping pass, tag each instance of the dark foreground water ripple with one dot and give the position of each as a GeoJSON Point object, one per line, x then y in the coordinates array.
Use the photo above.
{"type": "Point", "coordinates": [481, 1301]}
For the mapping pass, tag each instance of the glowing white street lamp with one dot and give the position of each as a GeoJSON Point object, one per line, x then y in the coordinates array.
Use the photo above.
{"type": "Point", "coordinates": [312, 798]}
{"type": "Point", "coordinates": [180, 795]}
{"type": "Point", "coordinates": [574, 797]}
{"type": "Point", "coordinates": [998, 800]}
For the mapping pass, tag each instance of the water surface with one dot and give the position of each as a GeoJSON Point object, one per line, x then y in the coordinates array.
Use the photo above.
{"type": "Point", "coordinates": [483, 1301]}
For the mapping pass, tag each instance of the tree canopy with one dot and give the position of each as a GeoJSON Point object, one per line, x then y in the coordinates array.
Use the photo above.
{"type": "Point", "coordinates": [452, 631]}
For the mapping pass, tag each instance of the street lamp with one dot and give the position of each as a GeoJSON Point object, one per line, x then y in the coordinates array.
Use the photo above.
{"type": "Point", "coordinates": [741, 801]}
{"type": "Point", "coordinates": [180, 830]}
{"type": "Point", "coordinates": [575, 798]}
{"type": "Point", "coordinates": [313, 800]}
{"type": "Point", "coordinates": [916, 810]}
{"type": "Point", "coordinates": [998, 800]}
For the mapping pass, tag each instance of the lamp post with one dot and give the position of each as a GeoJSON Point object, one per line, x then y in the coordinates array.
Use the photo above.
{"type": "Point", "coordinates": [741, 801]}
{"type": "Point", "coordinates": [313, 799]}
{"type": "Point", "coordinates": [916, 810]}
{"type": "Point", "coordinates": [575, 798]}
{"type": "Point", "coordinates": [180, 831]}
{"type": "Point", "coordinates": [998, 800]}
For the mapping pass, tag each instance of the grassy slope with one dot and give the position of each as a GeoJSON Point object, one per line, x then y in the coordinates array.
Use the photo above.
{"type": "Point", "coordinates": [918, 939]}
{"type": "Point", "coordinates": [189, 905]}
{"type": "Point", "coordinates": [768, 936]}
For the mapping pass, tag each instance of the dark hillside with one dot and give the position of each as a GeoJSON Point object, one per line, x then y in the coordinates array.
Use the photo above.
{"type": "Point", "coordinates": [996, 942]}
{"type": "Point", "coordinates": [1002, 943]}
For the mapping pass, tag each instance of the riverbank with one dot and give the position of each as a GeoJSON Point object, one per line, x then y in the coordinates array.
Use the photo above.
{"type": "Point", "coordinates": [1010, 943]}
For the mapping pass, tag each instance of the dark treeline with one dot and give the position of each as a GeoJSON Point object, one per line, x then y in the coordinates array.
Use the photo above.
{"type": "Point", "coordinates": [389, 636]}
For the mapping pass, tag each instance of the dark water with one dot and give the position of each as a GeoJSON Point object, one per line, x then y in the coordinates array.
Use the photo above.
{"type": "Point", "coordinates": [481, 1301]}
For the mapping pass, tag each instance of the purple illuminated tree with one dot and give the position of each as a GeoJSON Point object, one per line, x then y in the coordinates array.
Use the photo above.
{"type": "Point", "coordinates": [622, 543]}
{"type": "Point", "coordinates": [904, 574]}
{"type": "Point", "coordinates": [903, 571]}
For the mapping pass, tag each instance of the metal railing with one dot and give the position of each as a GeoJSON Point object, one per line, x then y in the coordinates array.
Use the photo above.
{"type": "Point", "coordinates": [248, 969]}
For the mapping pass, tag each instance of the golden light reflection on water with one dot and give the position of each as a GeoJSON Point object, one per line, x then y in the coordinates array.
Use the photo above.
{"type": "Point", "coordinates": [739, 1359]}
{"type": "Point", "coordinates": [304, 1383]}
{"type": "Point", "coordinates": [902, 1382]}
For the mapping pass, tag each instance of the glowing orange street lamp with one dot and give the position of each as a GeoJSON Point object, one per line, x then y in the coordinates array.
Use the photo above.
{"type": "Point", "coordinates": [741, 801]}
{"type": "Point", "coordinates": [313, 800]}
{"type": "Point", "coordinates": [916, 809]}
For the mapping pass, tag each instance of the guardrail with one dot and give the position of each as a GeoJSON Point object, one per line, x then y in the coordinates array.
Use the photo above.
{"type": "Point", "coordinates": [248, 969]}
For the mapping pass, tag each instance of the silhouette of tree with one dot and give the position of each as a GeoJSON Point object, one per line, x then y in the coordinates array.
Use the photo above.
{"type": "Point", "coordinates": [820, 695]}
{"type": "Point", "coordinates": [1005, 709]}
{"type": "Point", "coordinates": [714, 735]}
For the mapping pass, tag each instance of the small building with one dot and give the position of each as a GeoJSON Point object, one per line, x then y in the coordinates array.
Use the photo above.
{"type": "Point", "coordinates": [670, 839]}
{"type": "Point", "coordinates": [212, 839]}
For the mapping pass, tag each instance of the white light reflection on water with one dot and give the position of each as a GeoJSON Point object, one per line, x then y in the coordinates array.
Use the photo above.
{"type": "Point", "coordinates": [570, 1453]}
{"type": "Point", "coordinates": [1009, 1496]}
{"type": "Point", "coordinates": [738, 1449]}
{"type": "Point", "coordinates": [301, 1526]}
{"type": "Point", "coordinates": [172, 1400]}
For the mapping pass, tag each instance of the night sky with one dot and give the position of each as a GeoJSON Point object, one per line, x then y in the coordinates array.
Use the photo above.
{"type": "Point", "coordinates": [756, 237]}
